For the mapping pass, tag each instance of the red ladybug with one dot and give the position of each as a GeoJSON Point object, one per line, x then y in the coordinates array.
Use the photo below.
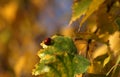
{"type": "Point", "coordinates": [48, 41]}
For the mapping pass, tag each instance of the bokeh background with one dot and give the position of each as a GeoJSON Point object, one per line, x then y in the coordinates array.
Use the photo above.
{"type": "Point", "coordinates": [23, 25]}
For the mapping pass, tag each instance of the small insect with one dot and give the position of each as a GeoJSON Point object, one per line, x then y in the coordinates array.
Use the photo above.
{"type": "Point", "coordinates": [48, 41]}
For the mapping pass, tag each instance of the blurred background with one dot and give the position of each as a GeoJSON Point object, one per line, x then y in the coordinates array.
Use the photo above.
{"type": "Point", "coordinates": [23, 25]}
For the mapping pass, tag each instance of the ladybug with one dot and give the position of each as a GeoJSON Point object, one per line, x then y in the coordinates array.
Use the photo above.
{"type": "Point", "coordinates": [48, 41]}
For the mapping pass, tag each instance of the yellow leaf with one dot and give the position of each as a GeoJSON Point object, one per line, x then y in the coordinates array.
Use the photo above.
{"type": "Point", "coordinates": [92, 8]}
{"type": "Point", "coordinates": [102, 50]}
{"type": "Point", "coordinates": [114, 41]}
{"type": "Point", "coordinates": [105, 21]}
{"type": "Point", "coordinates": [106, 61]}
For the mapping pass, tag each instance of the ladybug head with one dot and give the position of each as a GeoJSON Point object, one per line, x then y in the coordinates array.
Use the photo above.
{"type": "Point", "coordinates": [48, 41]}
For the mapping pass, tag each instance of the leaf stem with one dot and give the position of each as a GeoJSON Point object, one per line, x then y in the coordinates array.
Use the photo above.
{"type": "Point", "coordinates": [64, 65]}
{"type": "Point", "coordinates": [55, 70]}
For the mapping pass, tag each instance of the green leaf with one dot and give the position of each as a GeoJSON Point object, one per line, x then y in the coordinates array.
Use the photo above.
{"type": "Point", "coordinates": [59, 59]}
{"type": "Point", "coordinates": [92, 8]}
{"type": "Point", "coordinates": [80, 64]}
{"type": "Point", "coordinates": [79, 8]}
{"type": "Point", "coordinates": [40, 68]}
{"type": "Point", "coordinates": [64, 44]}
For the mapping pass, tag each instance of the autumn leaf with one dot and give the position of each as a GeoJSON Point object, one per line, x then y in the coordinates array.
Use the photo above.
{"type": "Point", "coordinates": [105, 21]}
{"type": "Point", "coordinates": [79, 8]}
{"type": "Point", "coordinates": [92, 8]}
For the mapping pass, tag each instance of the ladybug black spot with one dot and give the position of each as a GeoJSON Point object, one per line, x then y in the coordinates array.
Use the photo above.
{"type": "Point", "coordinates": [48, 41]}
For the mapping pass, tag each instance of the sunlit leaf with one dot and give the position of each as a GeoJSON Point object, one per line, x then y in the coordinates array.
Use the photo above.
{"type": "Point", "coordinates": [40, 69]}
{"type": "Point", "coordinates": [114, 42]}
{"type": "Point", "coordinates": [100, 53]}
{"type": "Point", "coordinates": [79, 8]}
{"type": "Point", "coordinates": [106, 61]}
{"type": "Point", "coordinates": [92, 8]}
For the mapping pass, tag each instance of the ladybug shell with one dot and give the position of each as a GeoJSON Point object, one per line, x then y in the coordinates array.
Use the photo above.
{"type": "Point", "coordinates": [48, 41]}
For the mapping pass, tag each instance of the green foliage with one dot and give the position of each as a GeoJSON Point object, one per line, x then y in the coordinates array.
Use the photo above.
{"type": "Point", "coordinates": [79, 8]}
{"type": "Point", "coordinates": [88, 7]}
{"type": "Point", "coordinates": [80, 63]}
{"type": "Point", "coordinates": [99, 26]}
{"type": "Point", "coordinates": [60, 59]}
{"type": "Point", "coordinates": [102, 25]}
